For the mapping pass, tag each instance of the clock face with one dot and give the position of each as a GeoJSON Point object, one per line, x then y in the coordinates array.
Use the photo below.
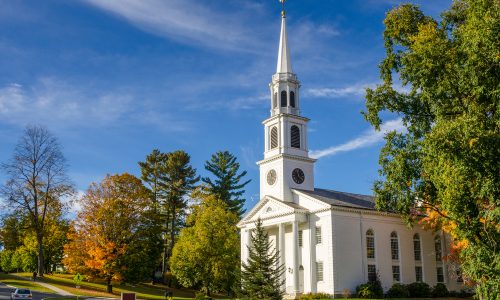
{"type": "Point", "coordinates": [271, 177]}
{"type": "Point", "coordinates": [298, 176]}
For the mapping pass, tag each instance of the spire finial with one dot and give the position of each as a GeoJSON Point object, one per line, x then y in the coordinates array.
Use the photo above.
{"type": "Point", "coordinates": [284, 63]}
{"type": "Point", "coordinates": [282, 8]}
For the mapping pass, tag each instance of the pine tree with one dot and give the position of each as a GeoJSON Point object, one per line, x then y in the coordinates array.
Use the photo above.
{"type": "Point", "coordinates": [226, 186]}
{"type": "Point", "coordinates": [261, 277]}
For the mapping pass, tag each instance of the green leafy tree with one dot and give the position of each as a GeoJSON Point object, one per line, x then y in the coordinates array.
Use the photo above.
{"type": "Point", "coordinates": [10, 232]}
{"type": "Point", "coordinates": [227, 184]}
{"type": "Point", "coordinates": [262, 275]}
{"type": "Point", "coordinates": [207, 252]}
{"type": "Point", "coordinates": [444, 170]}
{"type": "Point", "coordinates": [6, 261]}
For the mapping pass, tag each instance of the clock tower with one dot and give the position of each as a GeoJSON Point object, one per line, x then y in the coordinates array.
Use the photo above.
{"type": "Point", "coordinates": [286, 162]}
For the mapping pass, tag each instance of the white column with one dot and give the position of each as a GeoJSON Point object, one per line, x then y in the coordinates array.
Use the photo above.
{"type": "Point", "coordinates": [295, 254]}
{"type": "Point", "coordinates": [281, 244]}
{"type": "Point", "coordinates": [312, 252]}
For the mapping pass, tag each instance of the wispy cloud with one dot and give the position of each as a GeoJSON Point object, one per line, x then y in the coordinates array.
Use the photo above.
{"type": "Point", "coordinates": [188, 21]}
{"type": "Point", "coordinates": [367, 139]}
{"type": "Point", "coordinates": [357, 90]}
{"type": "Point", "coordinates": [56, 103]}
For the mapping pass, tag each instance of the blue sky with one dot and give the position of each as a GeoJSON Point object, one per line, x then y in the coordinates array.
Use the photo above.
{"type": "Point", "coordinates": [114, 80]}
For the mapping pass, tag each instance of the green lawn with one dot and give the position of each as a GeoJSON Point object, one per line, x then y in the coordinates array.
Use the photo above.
{"type": "Point", "coordinates": [98, 288]}
{"type": "Point", "coordinates": [22, 283]}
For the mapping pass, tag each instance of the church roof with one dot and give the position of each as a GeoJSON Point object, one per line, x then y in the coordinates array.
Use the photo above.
{"type": "Point", "coordinates": [336, 198]}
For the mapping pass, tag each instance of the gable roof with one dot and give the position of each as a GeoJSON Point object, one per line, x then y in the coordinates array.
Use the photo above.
{"type": "Point", "coordinates": [343, 199]}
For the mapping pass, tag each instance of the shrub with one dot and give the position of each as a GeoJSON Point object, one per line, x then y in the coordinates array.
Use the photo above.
{"type": "Point", "coordinates": [398, 290]}
{"type": "Point", "coordinates": [439, 290]}
{"type": "Point", "coordinates": [201, 296]}
{"type": "Point", "coordinates": [312, 296]}
{"type": "Point", "coordinates": [370, 290]}
{"type": "Point", "coordinates": [419, 290]}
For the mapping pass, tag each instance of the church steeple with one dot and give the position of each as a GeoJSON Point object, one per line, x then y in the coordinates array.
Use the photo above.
{"type": "Point", "coordinates": [286, 164]}
{"type": "Point", "coordinates": [284, 85]}
{"type": "Point", "coordinates": [284, 64]}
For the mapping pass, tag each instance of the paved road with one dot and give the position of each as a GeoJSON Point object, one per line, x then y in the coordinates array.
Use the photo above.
{"type": "Point", "coordinates": [5, 293]}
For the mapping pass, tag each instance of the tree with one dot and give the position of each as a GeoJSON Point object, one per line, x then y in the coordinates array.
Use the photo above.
{"type": "Point", "coordinates": [207, 252]}
{"type": "Point", "coordinates": [154, 175]}
{"type": "Point", "coordinates": [113, 230]}
{"type": "Point", "coordinates": [444, 170]}
{"type": "Point", "coordinates": [181, 180]}
{"type": "Point", "coordinates": [37, 181]}
{"type": "Point", "coordinates": [262, 275]}
{"type": "Point", "coordinates": [226, 186]}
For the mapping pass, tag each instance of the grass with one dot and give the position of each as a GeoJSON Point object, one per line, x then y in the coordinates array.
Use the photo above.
{"type": "Point", "coordinates": [23, 283]}
{"type": "Point", "coordinates": [98, 288]}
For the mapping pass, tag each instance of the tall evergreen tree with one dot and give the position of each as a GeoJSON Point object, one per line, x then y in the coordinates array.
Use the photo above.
{"type": "Point", "coordinates": [262, 275]}
{"type": "Point", "coordinates": [181, 180]}
{"type": "Point", "coordinates": [227, 185]}
{"type": "Point", "coordinates": [154, 175]}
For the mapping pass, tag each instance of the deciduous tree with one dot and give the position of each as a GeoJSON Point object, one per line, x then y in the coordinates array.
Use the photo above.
{"type": "Point", "coordinates": [446, 165]}
{"type": "Point", "coordinates": [227, 184]}
{"type": "Point", "coordinates": [113, 229]}
{"type": "Point", "coordinates": [36, 181]}
{"type": "Point", "coordinates": [207, 252]}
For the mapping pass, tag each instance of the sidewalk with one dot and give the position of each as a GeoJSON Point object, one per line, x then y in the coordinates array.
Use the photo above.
{"type": "Point", "coordinates": [49, 286]}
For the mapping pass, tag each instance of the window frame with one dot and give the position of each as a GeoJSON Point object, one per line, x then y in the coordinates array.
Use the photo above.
{"type": "Point", "coordinates": [394, 273]}
{"type": "Point", "coordinates": [283, 99]}
{"type": "Point", "coordinates": [417, 247]}
{"type": "Point", "coordinates": [319, 271]}
{"type": "Point", "coordinates": [295, 136]}
{"type": "Point", "coordinates": [394, 245]}
{"type": "Point", "coordinates": [318, 235]}
{"type": "Point", "coordinates": [274, 138]}
{"type": "Point", "coordinates": [370, 244]}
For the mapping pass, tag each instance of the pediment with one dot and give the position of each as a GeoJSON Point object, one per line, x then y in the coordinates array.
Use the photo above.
{"type": "Point", "coordinates": [269, 207]}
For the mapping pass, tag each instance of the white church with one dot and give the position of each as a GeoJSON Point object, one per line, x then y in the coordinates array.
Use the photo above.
{"type": "Point", "coordinates": [329, 241]}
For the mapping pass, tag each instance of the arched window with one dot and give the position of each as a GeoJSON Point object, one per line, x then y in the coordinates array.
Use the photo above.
{"type": "Point", "coordinates": [417, 251]}
{"type": "Point", "coordinates": [394, 246]}
{"type": "Point", "coordinates": [295, 136]}
{"type": "Point", "coordinates": [275, 100]}
{"type": "Point", "coordinates": [274, 137]}
{"type": "Point", "coordinates": [438, 248]}
{"type": "Point", "coordinates": [292, 99]}
{"type": "Point", "coordinates": [283, 98]}
{"type": "Point", "coordinates": [370, 244]}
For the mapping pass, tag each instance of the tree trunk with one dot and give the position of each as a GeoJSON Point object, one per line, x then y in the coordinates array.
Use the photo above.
{"type": "Point", "coordinates": [39, 239]}
{"type": "Point", "coordinates": [109, 286]}
{"type": "Point", "coordinates": [172, 235]}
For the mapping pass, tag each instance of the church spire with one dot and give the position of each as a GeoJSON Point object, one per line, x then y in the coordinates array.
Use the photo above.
{"type": "Point", "coordinates": [284, 64]}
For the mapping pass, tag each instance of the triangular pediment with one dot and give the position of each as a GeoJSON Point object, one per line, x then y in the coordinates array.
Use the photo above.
{"type": "Point", "coordinates": [269, 207]}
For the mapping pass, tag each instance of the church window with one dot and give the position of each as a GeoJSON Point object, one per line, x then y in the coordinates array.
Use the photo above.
{"type": "Point", "coordinates": [275, 100]}
{"type": "Point", "coordinates": [372, 273]}
{"type": "Point", "coordinates": [292, 99]}
{"type": "Point", "coordinates": [440, 274]}
{"type": "Point", "coordinates": [319, 271]}
{"type": "Point", "coordinates": [394, 246]}
{"type": "Point", "coordinates": [274, 137]}
{"type": "Point", "coordinates": [418, 274]}
{"type": "Point", "coordinates": [295, 136]}
{"type": "Point", "coordinates": [417, 252]}
{"type": "Point", "coordinates": [318, 235]}
{"type": "Point", "coordinates": [283, 99]}
{"type": "Point", "coordinates": [370, 244]}
{"type": "Point", "coordinates": [396, 274]}
{"type": "Point", "coordinates": [438, 248]}
{"type": "Point", "coordinates": [300, 238]}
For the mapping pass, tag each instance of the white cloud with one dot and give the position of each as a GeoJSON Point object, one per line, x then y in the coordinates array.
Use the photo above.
{"type": "Point", "coordinates": [353, 90]}
{"type": "Point", "coordinates": [56, 103]}
{"type": "Point", "coordinates": [367, 139]}
{"type": "Point", "coordinates": [186, 20]}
